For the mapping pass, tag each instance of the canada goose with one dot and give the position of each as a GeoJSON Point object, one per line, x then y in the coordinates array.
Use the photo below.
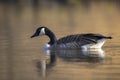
{"type": "Point", "coordinates": [82, 41]}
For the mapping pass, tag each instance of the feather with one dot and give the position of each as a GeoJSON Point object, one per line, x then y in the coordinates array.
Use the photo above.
{"type": "Point", "coordinates": [75, 41]}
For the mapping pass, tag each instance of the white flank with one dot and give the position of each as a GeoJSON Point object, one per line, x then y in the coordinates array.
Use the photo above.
{"type": "Point", "coordinates": [99, 44]}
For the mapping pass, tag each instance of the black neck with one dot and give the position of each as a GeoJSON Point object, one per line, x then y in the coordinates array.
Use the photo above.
{"type": "Point", "coordinates": [51, 35]}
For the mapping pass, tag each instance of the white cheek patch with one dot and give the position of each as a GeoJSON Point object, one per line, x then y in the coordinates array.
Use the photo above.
{"type": "Point", "coordinates": [42, 32]}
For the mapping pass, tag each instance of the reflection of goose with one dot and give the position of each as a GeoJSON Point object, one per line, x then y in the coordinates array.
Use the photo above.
{"type": "Point", "coordinates": [72, 41]}
{"type": "Point", "coordinates": [46, 64]}
{"type": "Point", "coordinates": [79, 55]}
{"type": "Point", "coordinates": [92, 56]}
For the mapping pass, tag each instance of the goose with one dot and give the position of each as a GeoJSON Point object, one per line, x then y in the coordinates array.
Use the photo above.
{"type": "Point", "coordinates": [76, 41]}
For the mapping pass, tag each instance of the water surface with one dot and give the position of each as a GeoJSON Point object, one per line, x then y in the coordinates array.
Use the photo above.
{"type": "Point", "coordinates": [23, 58]}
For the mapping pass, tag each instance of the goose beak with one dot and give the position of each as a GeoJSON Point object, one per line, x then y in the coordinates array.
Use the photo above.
{"type": "Point", "coordinates": [34, 35]}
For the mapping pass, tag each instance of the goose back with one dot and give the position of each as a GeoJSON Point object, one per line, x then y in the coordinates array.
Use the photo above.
{"type": "Point", "coordinates": [75, 41]}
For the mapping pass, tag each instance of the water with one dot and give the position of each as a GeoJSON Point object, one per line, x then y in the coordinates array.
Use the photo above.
{"type": "Point", "coordinates": [23, 58]}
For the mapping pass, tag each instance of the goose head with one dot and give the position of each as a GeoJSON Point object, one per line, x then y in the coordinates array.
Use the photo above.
{"type": "Point", "coordinates": [39, 32]}
{"type": "Point", "coordinates": [45, 31]}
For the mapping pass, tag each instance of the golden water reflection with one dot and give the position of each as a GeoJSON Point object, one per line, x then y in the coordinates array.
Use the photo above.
{"type": "Point", "coordinates": [22, 58]}
{"type": "Point", "coordinates": [94, 56]}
